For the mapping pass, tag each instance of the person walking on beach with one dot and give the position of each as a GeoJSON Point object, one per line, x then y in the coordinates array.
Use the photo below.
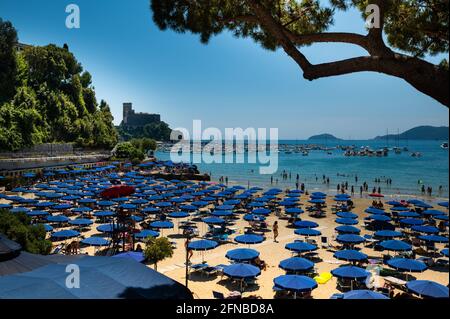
{"type": "Point", "coordinates": [275, 231]}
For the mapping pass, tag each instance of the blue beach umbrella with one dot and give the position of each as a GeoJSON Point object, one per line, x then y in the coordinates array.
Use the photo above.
{"type": "Point", "coordinates": [242, 254]}
{"type": "Point", "coordinates": [405, 264]}
{"type": "Point", "coordinates": [400, 209]}
{"type": "Point", "coordinates": [296, 264]}
{"type": "Point", "coordinates": [350, 272]}
{"type": "Point", "coordinates": [363, 294]}
{"type": "Point", "coordinates": [294, 211]}
{"type": "Point", "coordinates": [241, 271]}
{"type": "Point", "coordinates": [347, 215]}
{"type": "Point", "coordinates": [106, 203]}
{"type": "Point", "coordinates": [261, 211]}
{"type": "Point", "coordinates": [395, 245]}
{"type": "Point", "coordinates": [82, 209]}
{"type": "Point", "coordinates": [65, 234]}
{"type": "Point", "coordinates": [350, 239]}
{"type": "Point", "coordinates": [443, 204]}
{"type": "Point", "coordinates": [189, 208]}
{"type": "Point", "coordinates": [213, 220]}
{"type": "Point", "coordinates": [127, 206]}
{"type": "Point", "coordinates": [225, 207]}
{"type": "Point", "coordinates": [95, 241]}
{"type": "Point", "coordinates": [108, 228]}
{"type": "Point", "coordinates": [104, 213]}
{"type": "Point", "coordinates": [135, 255]}
{"type": "Point", "coordinates": [427, 288]}
{"type": "Point", "coordinates": [57, 219]}
{"type": "Point", "coordinates": [295, 283]}
{"type": "Point", "coordinates": [345, 229]}
{"type": "Point", "coordinates": [222, 213]}
{"type": "Point", "coordinates": [346, 221]}
{"type": "Point", "coordinates": [62, 207]}
{"type": "Point", "coordinates": [434, 238]}
{"type": "Point", "coordinates": [252, 217]}
{"type": "Point", "coordinates": [203, 244]}
{"type": "Point", "coordinates": [305, 224]}
{"type": "Point", "coordinates": [444, 252]}
{"type": "Point", "coordinates": [36, 213]}
{"type": "Point", "coordinates": [380, 218]}
{"type": "Point", "coordinates": [411, 221]}
{"type": "Point", "coordinates": [163, 204]}
{"type": "Point", "coordinates": [375, 211]}
{"type": "Point", "coordinates": [316, 201]}
{"type": "Point", "coordinates": [249, 239]}
{"type": "Point", "coordinates": [350, 255]}
{"type": "Point", "coordinates": [408, 214]}
{"type": "Point", "coordinates": [44, 204]}
{"type": "Point", "coordinates": [441, 217]}
{"type": "Point", "coordinates": [300, 247]}
{"type": "Point", "coordinates": [80, 222]}
{"type": "Point", "coordinates": [178, 215]}
{"type": "Point", "coordinates": [161, 225]}
{"type": "Point", "coordinates": [388, 234]}
{"type": "Point", "coordinates": [307, 232]}
{"type": "Point", "coordinates": [433, 212]}
{"type": "Point", "coordinates": [145, 233]}
{"type": "Point", "coordinates": [151, 210]}
{"type": "Point", "coordinates": [425, 229]}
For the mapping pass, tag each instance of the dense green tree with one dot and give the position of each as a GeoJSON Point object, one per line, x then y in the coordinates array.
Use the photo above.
{"type": "Point", "coordinates": [414, 28]}
{"type": "Point", "coordinates": [18, 228]}
{"type": "Point", "coordinates": [128, 150]}
{"type": "Point", "coordinates": [51, 98]}
{"type": "Point", "coordinates": [8, 40]}
{"type": "Point", "coordinates": [157, 249]}
{"type": "Point", "coordinates": [159, 131]}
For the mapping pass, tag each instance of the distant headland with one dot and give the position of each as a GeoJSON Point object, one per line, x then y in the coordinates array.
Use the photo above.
{"type": "Point", "coordinates": [420, 133]}
{"type": "Point", "coordinates": [325, 136]}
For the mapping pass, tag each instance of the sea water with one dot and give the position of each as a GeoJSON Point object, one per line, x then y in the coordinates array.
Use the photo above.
{"type": "Point", "coordinates": [408, 173]}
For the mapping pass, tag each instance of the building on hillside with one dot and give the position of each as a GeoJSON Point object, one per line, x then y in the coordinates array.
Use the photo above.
{"type": "Point", "coordinates": [131, 119]}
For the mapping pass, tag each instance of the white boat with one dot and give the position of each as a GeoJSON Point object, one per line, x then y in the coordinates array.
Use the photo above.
{"type": "Point", "coordinates": [444, 145]}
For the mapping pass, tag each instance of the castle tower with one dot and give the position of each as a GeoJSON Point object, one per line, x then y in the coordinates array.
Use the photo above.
{"type": "Point", "coordinates": [127, 109]}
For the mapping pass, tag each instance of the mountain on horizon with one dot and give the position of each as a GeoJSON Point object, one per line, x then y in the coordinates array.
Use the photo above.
{"type": "Point", "coordinates": [420, 133]}
{"type": "Point", "coordinates": [325, 136]}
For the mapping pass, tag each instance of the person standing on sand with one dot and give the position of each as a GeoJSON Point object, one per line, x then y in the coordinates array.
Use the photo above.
{"type": "Point", "coordinates": [275, 231]}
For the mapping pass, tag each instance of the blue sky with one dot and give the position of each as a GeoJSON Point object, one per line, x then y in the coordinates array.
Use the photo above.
{"type": "Point", "coordinates": [227, 83]}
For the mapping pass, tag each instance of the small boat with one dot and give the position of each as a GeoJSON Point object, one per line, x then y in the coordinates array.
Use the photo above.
{"type": "Point", "coordinates": [444, 145]}
{"type": "Point", "coordinates": [416, 154]}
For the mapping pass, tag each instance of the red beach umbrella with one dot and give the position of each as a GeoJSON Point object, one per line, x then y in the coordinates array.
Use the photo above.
{"type": "Point", "coordinates": [117, 191]}
{"type": "Point", "coordinates": [376, 195]}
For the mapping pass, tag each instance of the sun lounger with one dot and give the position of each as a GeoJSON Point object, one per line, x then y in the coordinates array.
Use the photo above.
{"type": "Point", "coordinates": [218, 295]}
{"type": "Point", "coordinates": [337, 296]}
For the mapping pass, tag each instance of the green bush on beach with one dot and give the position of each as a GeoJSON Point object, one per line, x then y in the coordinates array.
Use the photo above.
{"type": "Point", "coordinates": [17, 227]}
{"type": "Point", "coordinates": [157, 249]}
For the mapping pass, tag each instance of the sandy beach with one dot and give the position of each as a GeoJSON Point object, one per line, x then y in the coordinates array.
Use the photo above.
{"type": "Point", "coordinates": [271, 252]}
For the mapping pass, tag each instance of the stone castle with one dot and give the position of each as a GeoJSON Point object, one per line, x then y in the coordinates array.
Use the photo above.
{"type": "Point", "coordinates": [131, 119]}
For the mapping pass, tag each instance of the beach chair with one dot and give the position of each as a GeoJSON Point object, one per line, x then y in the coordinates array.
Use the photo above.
{"type": "Point", "coordinates": [324, 242]}
{"type": "Point", "coordinates": [218, 295]}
